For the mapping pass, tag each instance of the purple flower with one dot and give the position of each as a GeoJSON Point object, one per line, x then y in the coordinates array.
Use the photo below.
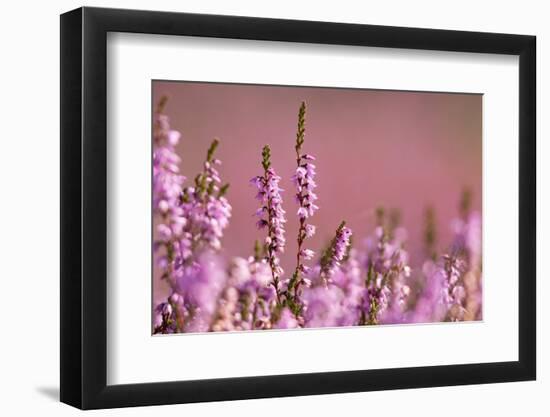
{"type": "Point", "coordinates": [467, 245]}
{"type": "Point", "coordinates": [206, 209]}
{"type": "Point", "coordinates": [467, 238]}
{"type": "Point", "coordinates": [200, 287]}
{"type": "Point", "coordinates": [304, 182]}
{"type": "Point", "coordinates": [167, 182]}
{"type": "Point", "coordinates": [336, 252]}
{"type": "Point", "coordinates": [272, 216]}
{"type": "Point", "coordinates": [453, 291]}
{"type": "Point", "coordinates": [287, 320]}
{"type": "Point", "coordinates": [249, 298]}
{"type": "Point", "coordinates": [429, 306]}
{"type": "Point", "coordinates": [162, 319]}
{"type": "Point", "coordinates": [307, 254]}
{"type": "Point", "coordinates": [387, 269]}
{"type": "Point", "coordinates": [167, 188]}
{"type": "Point", "coordinates": [309, 230]}
{"type": "Point", "coordinates": [350, 279]}
{"type": "Point", "coordinates": [169, 316]}
{"type": "Point", "coordinates": [324, 306]}
{"type": "Point", "coordinates": [452, 287]}
{"type": "Point", "coordinates": [302, 213]}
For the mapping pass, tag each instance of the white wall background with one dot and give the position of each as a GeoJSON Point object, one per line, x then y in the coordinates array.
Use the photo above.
{"type": "Point", "coordinates": [29, 213]}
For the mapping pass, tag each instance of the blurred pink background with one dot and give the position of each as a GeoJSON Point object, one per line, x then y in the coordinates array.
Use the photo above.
{"type": "Point", "coordinates": [402, 150]}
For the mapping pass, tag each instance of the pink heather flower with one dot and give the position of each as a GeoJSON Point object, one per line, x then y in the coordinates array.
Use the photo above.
{"type": "Point", "coordinates": [304, 182]}
{"type": "Point", "coordinates": [324, 306]}
{"type": "Point", "coordinates": [453, 291]}
{"type": "Point", "coordinates": [167, 182]}
{"type": "Point", "coordinates": [163, 319]}
{"type": "Point", "coordinates": [429, 307]}
{"type": "Point", "coordinates": [217, 214]}
{"type": "Point", "coordinates": [206, 210]}
{"type": "Point", "coordinates": [467, 238]}
{"type": "Point", "coordinates": [249, 298]}
{"type": "Point", "coordinates": [336, 252]}
{"type": "Point", "coordinates": [164, 231]}
{"type": "Point", "coordinates": [228, 314]}
{"type": "Point", "coordinates": [341, 245]}
{"type": "Point", "coordinates": [287, 320]}
{"type": "Point", "coordinates": [309, 230]}
{"type": "Point", "coordinates": [302, 213]}
{"type": "Point", "coordinates": [167, 188]}
{"type": "Point", "coordinates": [272, 215]}
{"type": "Point", "coordinates": [200, 287]}
{"type": "Point", "coordinates": [473, 240]}
{"type": "Point", "coordinates": [350, 279]}
{"type": "Point", "coordinates": [388, 271]}
{"type": "Point", "coordinates": [170, 315]}
{"type": "Point", "coordinates": [305, 185]}
{"type": "Point", "coordinates": [467, 245]}
{"type": "Point", "coordinates": [305, 269]}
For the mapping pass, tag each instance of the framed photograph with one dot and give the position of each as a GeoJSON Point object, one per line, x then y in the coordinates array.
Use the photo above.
{"type": "Point", "coordinates": [257, 208]}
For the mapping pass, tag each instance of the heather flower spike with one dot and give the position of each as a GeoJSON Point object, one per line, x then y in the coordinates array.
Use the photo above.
{"type": "Point", "coordinates": [206, 208]}
{"type": "Point", "coordinates": [167, 188]}
{"type": "Point", "coordinates": [304, 181]}
{"type": "Point", "coordinates": [208, 180]}
{"type": "Point", "coordinates": [388, 272]}
{"type": "Point", "coordinates": [453, 290]}
{"type": "Point", "coordinates": [336, 252]}
{"type": "Point", "coordinates": [271, 217]}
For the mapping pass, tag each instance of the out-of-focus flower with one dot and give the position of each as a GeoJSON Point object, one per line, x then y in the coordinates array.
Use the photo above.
{"type": "Point", "coordinates": [324, 306]}
{"type": "Point", "coordinates": [167, 187]}
{"type": "Point", "coordinates": [386, 263]}
{"type": "Point", "coordinates": [429, 306]}
{"type": "Point", "coordinates": [249, 298]}
{"type": "Point", "coordinates": [349, 278]}
{"type": "Point", "coordinates": [287, 320]}
{"type": "Point", "coordinates": [453, 291]}
{"type": "Point", "coordinates": [167, 180]}
{"type": "Point", "coordinates": [200, 288]}
{"type": "Point", "coordinates": [467, 245]}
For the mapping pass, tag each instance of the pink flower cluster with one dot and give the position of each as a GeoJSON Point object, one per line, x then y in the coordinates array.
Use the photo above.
{"type": "Point", "coordinates": [350, 283]}
{"type": "Point", "coordinates": [272, 216]}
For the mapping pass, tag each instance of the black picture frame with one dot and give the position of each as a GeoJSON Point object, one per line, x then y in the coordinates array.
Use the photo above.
{"type": "Point", "coordinates": [84, 207]}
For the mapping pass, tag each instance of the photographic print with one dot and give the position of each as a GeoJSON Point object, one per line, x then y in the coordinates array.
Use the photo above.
{"type": "Point", "coordinates": [285, 207]}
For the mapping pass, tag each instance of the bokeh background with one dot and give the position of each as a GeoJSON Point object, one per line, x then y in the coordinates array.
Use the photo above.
{"type": "Point", "coordinates": [397, 149]}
